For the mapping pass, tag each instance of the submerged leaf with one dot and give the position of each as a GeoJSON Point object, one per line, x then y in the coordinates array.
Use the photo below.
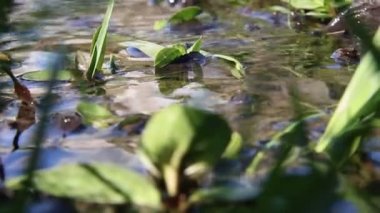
{"type": "Point", "coordinates": [181, 137]}
{"type": "Point", "coordinates": [95, 114]}
{"type": "Point", "coordinates": [97, 183]}
{"type": "Point", "coordinates": [98, 45]}
{"type": "Point", "coordinates": [45, 75]}
{"type": "Point", "coordinates": [306, 4]}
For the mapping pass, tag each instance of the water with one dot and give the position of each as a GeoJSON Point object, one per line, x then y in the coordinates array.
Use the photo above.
{"type": "Point", "coordinates": [277, 59]}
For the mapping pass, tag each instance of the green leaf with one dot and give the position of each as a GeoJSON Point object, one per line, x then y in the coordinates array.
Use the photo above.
{"type": "Point", "coordinates": [95, 114]}
{"type": "Point", "coordinates": [180, 138]}
{"type": "Point", "coordinates": [97, 183]}
{"type": "Point", "coordinates": [45, 75]}
{"type": "Point", "coordinates": [238, 69]}
{"type": "Point", "coordinates": [234, 146]}
{"type": "Point", "coordinates": [196, 47]}
{"type": "Point", "coordinates": [186, 14]}
{"type": "Point", "coordinates": [149, 48]}
{"type": "Point", "coordinates": [306, 4]}
{"type": "Point", "coordinates": [360, 99]}
{"type": "Point", "coordinates": [160, 24]}
{"type": "Point", "coordinates": [98, 45]}
{"type": "Point", "coordinates": [167, 55]}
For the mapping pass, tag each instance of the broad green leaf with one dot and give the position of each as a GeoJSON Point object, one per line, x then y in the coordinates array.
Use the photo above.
{"type": "Point", "coordinates": [179, 138]}
{"type": "Point", "coordinates": [238, 69]}
{"type": "Point", "coordinates": [196, 47]}
{"type": "Point", "coordinates": [360, 99]}
{"type": "Point", "coordinates": [45, 75]}
{"type": "Point", "coordinates": [306, 4]}
{"type": "Point", "coordinates": [98, 45]}
{"type": "Point", "coordinates": [186, 14]}
{"type": "Point", "coordinates": [167, 55]}
{"type": "Point", "coordinates": [99, 183]}
{"type": "Point", "coordinates": [95, 114]}
{"type": "Point", "coordinates": [149, 48]}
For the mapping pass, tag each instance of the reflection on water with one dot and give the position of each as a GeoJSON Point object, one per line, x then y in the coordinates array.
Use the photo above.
{"type": "Point", "coordinates": [274, 55]}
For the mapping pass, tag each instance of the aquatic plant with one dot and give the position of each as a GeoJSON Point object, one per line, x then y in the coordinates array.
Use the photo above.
{"type": "Point", "coordinates": [98, 46]}
{"type": "Point", "coordinates": [165, 55]}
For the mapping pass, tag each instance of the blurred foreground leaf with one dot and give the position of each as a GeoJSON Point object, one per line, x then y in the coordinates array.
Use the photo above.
{"type": "Point", "coordinates": [180, 138]}
{"type": "Point", "coordinates": [360, 100]}
{"type": "Point", "coordinates": [97, 183]}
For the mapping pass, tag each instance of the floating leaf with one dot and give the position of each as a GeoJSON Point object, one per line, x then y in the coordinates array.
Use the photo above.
{"type": "Point", "coordinates": [98, 45]}
{"type": "Point", "coordinates": [45, 75]}
{"type": "Point", "coordinates": [180, 137]}
{"type": "Point", "coordinates": [149, 48]}
{"type": "Point", "coordinates": [95, 114]}
{"type": "Point", "coordinates": [97, 183]}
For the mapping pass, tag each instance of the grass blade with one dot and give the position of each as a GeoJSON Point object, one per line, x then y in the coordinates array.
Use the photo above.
{"type": "Point", "coordinates": [98, 45]}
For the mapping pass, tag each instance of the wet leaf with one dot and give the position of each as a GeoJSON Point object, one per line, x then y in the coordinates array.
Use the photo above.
{"type": "Point", "coordinates": [95, 114]}
{"type": "Point", "coordinates": [45, 75]}
{"type": "Point", "coordinates": [238, 69]}
{"type": "Point", "coordinates": [186, 14]}
{"type": "Point", "coordinates": [306, 4]}
{"type": "Point", "coordinates": [149, 48]}
{"type": "Point", "coordinates": [168, 54]}
{"type": "Point", "coordinates": [180, 138]}
{"type": "Point", "coordinates": [196, 47]}
{"type": "Point", "coordinates": [4, 57]}
{"type": "Point", "coordinates": [98, 45]}
{"type": "Point", "coordinates": [97, 183]}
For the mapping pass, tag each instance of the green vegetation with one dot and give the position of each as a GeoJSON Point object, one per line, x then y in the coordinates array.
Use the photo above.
{"type": "Point", "coordinates": [183, 147]}
{"type": "Point", "coordinates": [164, 56]}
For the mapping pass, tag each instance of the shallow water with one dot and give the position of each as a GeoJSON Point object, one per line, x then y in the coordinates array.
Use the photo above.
{"type": "Point", "coordinates": [277, 58]}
